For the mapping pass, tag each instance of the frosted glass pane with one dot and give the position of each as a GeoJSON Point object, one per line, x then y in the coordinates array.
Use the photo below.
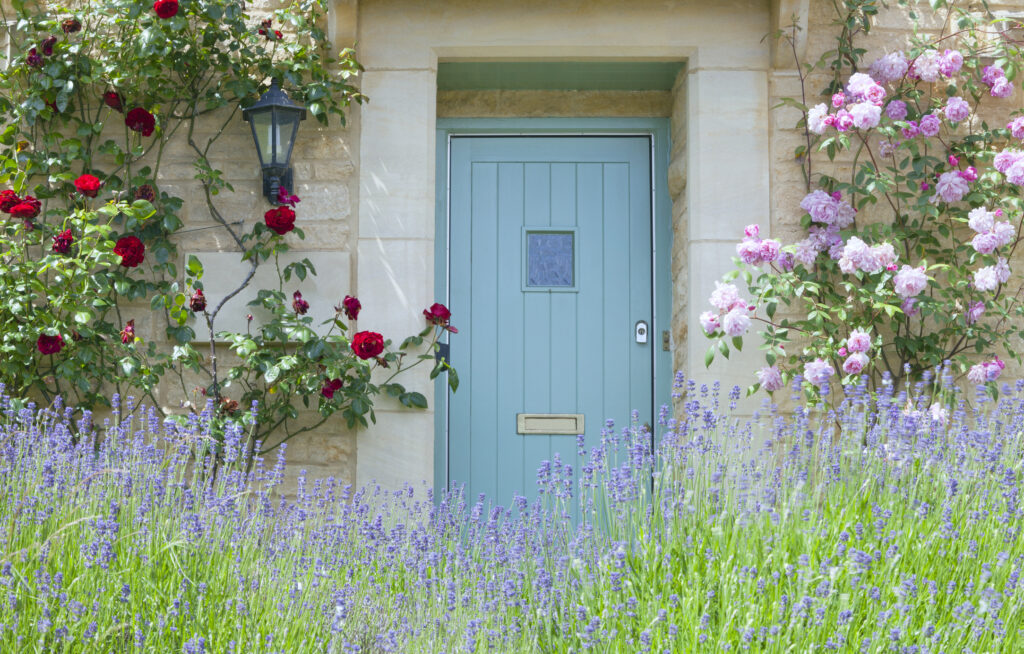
{"type": "Point", "coordinates": [549, 259]}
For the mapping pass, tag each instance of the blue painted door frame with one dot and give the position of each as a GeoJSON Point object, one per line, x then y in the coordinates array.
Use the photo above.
{"type": "Point", "coordinates": [656, 131]}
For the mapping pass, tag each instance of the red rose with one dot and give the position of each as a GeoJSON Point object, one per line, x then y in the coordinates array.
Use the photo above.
{"type": "Point", "coordinates": [140, 120]}
{"type": "Point", "coordinates": [47, 45]}
{"type": "Point", "coordinates": [62, 242]}
{"type": "Point", "coordinates": [8, 199]}
{"type": "Point", "coordinates": [47, 344]}
{"type": "Point", "coordinates": [113, 100]}
{"type": "Point", "coordinates": [128, 333]}
{"type": "Point", "coordinates": [88, 185]}
{"type": "Point", "coordinates": [165, 8]}
{"type": "Point", "coordinates": [27, 209]}
{"type": "Point", "coordinates": [438, 314]}
{"type": "Point", "coordinates": [71, 25]}
{"type": "Point", "coordinates": [300, 305]}
{"type": "Point", "coordinates": [33, 58]}
{"type": "Point", "coordinates": [131, 250]}
{"type": "Point", "coordinates": [352, 307]}
{"type": "Point", "coordinates": [197, 302]}
{"type": "Point", "coordinates": [330, 386]}
{"type": "Point", "coordinates": [281, 220]}
{"type": "Point", "coordinates": [367, 345]}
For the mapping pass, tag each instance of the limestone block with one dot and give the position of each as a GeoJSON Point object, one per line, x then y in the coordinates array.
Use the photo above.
{"type": "Point", "coordinates": [906, 18]}
{"type": "Point", "coordinates": [395, 284]}
{"type": "Point", "coordinates": [223, 271]}
{"type": "Point", "coordinates": [728, 154]}
{"type": "Point", "coordinates": [322, 201]}
{"type": "Point", "coordinates": [326, 235]}
{"type": "Point", "coordinates": [396, 34]}
{"type": "Point", "coordinates": [396, 181]}
{"type": "Point", "coordinates": [321, 143]}
{"type": "Point", "coordinates": [398, 450]}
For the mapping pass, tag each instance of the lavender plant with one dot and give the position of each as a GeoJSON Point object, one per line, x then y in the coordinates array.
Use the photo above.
{"type": "Point", "coordinates": [880, 525]}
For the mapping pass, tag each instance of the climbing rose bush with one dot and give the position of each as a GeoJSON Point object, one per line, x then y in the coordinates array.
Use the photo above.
{"type": "Point", "coordinates": [94, 95]}
{"type": "Point", "coordinates": [907, 263]}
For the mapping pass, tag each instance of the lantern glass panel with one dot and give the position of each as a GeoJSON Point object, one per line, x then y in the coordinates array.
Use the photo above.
{"type": "Point", "coordinates": [288, 127]}
{"type": "Point", "coordinates": [262, 129]}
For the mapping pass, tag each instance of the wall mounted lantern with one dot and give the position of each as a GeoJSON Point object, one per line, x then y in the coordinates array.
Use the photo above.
{"type": "Point", "coordinates": [274, 119]}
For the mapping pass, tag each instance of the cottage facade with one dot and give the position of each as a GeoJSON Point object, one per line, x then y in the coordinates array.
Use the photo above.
{"type": "Point", "coordinates": [570, 177]}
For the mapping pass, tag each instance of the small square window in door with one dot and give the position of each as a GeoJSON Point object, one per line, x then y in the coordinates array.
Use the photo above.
{"type": "Point", "coordinates": [550, 260]}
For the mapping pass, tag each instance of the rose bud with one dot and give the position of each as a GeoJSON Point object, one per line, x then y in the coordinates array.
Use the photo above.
{"type": "Point", "coordinates": [197, 303]}
{"type": "Point", "coordinates": [351, 307]}
{"type": "Point", "coordinates": [300, 305]}
{"type": "Point", "coordinates": [128, 333]}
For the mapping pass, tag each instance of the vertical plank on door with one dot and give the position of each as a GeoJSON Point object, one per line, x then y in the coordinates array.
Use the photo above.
{"type": "Point", "coordinates": [484, 310]}
{"type": "Point", "coordinates": [590, 198]}
{"type": "Point", "coordinates": [460, 295]}
{"type": "Point", "coordinates": [617, 316]}
{"type": "Point", "coordinates": [564, 328]}
{"type": "Point", "coordinates": [536, 321]}
{"type": "Point", "coordinates": [511, 310]}
{"type": "Point", "coordinates": [638, 198]}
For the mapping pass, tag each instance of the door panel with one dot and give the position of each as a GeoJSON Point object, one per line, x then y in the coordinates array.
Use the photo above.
{"type": "Point", "coordinates": [565, 348]}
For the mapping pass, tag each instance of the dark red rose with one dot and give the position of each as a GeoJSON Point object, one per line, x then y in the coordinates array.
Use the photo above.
{"type": "Point", "coordinates": [114, 100]}
{"type": "Point", "coordinates": [283, 197]}
{"type": "Point", "coordinates": [33, 58]}
{"type": "Point", "coordinates": [367, 345]}
{"type": "Point", "coordinates": [300, 305]}
{"type": "Point", "coordinates": [88, 185]}
{"type": "Point", "coordinates": [165, 8]}
{"type": "Point", "coordinates": [198, 301]}
{"type": "Point", "coordinates": [351, 306]}
{"type": "Point", "coordinates": [8, 199]}
{"type": "Point", "coordinates": [228, 406]}
{"type": "Point", "coordinates": [438, 314]}
{"type": "Point", "coordinates": [71, 25]}
{"type": "Point", "coordinates": [27, 209]}
{"type": "Point", "coordinates": [47, 45]}
{"type": "Point", "coordinates": [145, 192]}
{"type": "Point", "coordinates": [47, 344]}
{"type": "Point", "coordinates": [131, 250]}
{"type": "Point", "coordinates": [281, 220]}
{"type": "Point", "coordinates": [128, 333]}
{"type": "Point", "coordinates": [62, 242]}
{"type": "Point", "coordinates": [330, 386]}
{"type": "Point", "coordinates": [140, 120]}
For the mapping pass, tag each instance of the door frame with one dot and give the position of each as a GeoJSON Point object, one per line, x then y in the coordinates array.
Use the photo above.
{"type": "Point", "coordinates": [657, 129]}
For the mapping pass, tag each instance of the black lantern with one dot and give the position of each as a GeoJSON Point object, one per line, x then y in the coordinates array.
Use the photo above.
{"type": "Point", "coordinates": [274, 119]}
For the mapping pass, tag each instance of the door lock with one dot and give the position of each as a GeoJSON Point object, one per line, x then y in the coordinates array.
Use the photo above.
{"type": "Point", "coordinates": [641, 332]}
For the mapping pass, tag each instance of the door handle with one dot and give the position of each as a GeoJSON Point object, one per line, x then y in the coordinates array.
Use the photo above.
{"type": "Point", "coordinates": [641, 332]}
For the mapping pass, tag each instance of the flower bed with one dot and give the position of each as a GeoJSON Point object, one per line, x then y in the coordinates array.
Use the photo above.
{"type": "Point", "coordinates": [882, 526]}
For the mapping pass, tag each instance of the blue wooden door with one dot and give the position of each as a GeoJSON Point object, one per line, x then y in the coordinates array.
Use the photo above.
{"type": "Point", "coordinates": [550, 275]}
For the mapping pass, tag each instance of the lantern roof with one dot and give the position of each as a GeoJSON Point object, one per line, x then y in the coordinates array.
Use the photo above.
{"type": "Point", "coordinates": [274, 98]}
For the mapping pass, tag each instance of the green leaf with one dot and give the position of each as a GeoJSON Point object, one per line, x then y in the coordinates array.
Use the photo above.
{"type": "Point", "coordinates": [195, 266]}
{"type": "Point", "coordinates": [271, 375]}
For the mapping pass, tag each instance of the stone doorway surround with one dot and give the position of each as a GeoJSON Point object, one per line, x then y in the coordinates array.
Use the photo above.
{"type": "Point", "coordinates": [718, 177]}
